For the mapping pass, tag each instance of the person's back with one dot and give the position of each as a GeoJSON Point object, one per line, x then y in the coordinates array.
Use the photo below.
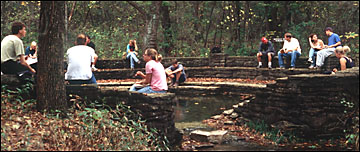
{"type": "Point", "coordinates": [158, 78]}
{"type": "Point", "coordinates": [79, 58]}
{"type": "Point", "coordinates": [11, 47]}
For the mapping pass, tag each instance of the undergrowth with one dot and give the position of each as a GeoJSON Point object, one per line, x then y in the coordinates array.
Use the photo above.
{"type": "Point", "coordinates": [92, 127]}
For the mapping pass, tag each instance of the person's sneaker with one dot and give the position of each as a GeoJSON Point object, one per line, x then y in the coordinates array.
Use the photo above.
{"type": "Point", "coordinates": [176, 84]}
{"type": "Point", "coordinates": [259, 66]}
{"type": "Point", "coordinates": [310, 60]}
{"type": "Point", "coordinates": [311, 67]}
{"type": "Point", "coordinates": [269, 67]}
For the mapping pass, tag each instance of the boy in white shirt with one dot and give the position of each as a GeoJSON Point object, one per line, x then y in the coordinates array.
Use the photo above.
{"type": "Point", "coordinates": [290, 48]}
{"type": "Point", "coordinates": [80, 59]}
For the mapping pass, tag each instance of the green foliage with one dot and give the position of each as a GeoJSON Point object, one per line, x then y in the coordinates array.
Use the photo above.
{"type": "Point", "coordinates": [273, 134]}
{"type": "Point", "coordinates": [233, 24]}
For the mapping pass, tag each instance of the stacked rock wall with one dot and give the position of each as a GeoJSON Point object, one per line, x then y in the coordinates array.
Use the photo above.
{"type": "Point", "coordinates": [309, 104]}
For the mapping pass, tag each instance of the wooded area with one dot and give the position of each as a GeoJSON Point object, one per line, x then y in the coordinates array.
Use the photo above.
{"type": "Point", "coordinates": [191, 28]}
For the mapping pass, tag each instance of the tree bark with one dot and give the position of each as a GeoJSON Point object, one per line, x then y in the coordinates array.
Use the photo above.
{"type": "Point", "coordinates": [209, 24]}
{"type": "Point", "coordinates": [166, 24]}
{"type": "Point", "coordinates": [50, 69]}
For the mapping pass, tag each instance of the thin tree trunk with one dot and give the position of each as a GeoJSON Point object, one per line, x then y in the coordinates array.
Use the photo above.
{"type": "Point", "coordinates": [166, 24]}
{"type": "Point", "coordinates": [50, 69]}
{"type": "Point", "coordinates": [209, 25]}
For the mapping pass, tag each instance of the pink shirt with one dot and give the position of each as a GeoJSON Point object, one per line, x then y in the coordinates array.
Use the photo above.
{"type": "Point", "coordinates": [158, 78]}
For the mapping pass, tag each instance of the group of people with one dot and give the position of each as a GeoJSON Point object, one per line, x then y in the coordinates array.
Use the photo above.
{"type": "Point", "coordinates": [317, 54]}
{"type": "Point", "coordinates": [82, 59]}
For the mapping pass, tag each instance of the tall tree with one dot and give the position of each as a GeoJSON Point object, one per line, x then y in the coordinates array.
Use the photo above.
{"type": "Point", "coordinates": [50, 71]}
{"type": "Point", "coordinates": [166, 25]}
{"type": "Point", "coordinates": [152, 23]}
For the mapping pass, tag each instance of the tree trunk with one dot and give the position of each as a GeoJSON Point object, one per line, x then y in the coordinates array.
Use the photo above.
{"type": "Point", "coordinates": [152, 24]}
{"type": "Point", "coordinates": [209, 24]}
{"type": "Point", "coordinates": [246, 23]}
{"type": "Point", "coordinates": [50, 69]}
{"type": "Point", "coordinates": [166, 24]}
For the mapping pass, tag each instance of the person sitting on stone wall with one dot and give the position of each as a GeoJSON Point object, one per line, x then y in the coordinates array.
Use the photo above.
{"type": "Point", "coordinates": [345, 62]}
{"type": "Point", "coordinates": [176, 72]}
{"type": "Point", "coordinates": [266, 48]}
{"type": "Point", "coordinates": [155, 75]}
{"type": "Point", "coordinates": [333, 42]}
{"type": "Point", "coordinates": [290, 48]}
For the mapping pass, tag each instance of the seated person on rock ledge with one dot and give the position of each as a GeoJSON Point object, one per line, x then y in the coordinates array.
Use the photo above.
{"type": "Point", "coordinates": [345, 62]}
{"type": "Point", "coordinates": [316, 45]}
{"type": "Point", "coordinates": [80, 58]}
{"type": "Point", "coordinates": [131, 49]}
{"type": "Point", "coordinates": [13, 54]}
{"type": "Point", "coordinates": [155, 75]}
{"type": "Point", "coordinates": [176, 72]}
{"type": "Point", "coordinates": [290, 48]}
{"type": "Point", "coordinates": [267, 49]}
{"type": "Point", "coordinates": [333, 42]}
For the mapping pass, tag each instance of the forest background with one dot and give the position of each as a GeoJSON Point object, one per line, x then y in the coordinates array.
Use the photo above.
{"type": "Point", "coordinates": [191, 28]}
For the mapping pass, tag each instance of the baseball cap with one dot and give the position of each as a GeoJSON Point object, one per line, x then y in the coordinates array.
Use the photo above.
{"type": "Point", "coordinates": [264, 40]}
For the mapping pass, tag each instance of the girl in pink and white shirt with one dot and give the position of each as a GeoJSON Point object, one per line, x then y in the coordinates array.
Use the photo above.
{"type": "Point", "coordinates": [155, 75]}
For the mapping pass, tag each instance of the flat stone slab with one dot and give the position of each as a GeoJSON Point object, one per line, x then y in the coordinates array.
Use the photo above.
{"type": "Point", "coordinates": [217, 136]}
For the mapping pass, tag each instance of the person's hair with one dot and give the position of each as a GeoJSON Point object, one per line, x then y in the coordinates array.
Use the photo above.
{"type": "Point", "coordinates": [152, 53]}
{"type": "Point", "coordinates": [174, 61]}
{"type": "Point", "coordinates": [328, 29]}
{"type": "Point", "coordinates": [16, 27]}
{"type": "Point", "coordinates": [159, 57]}
{"type": "Point", "coordinates": [288, 35]}
{"type": "Point", "coordinates": [33, 43]}
{"type": "Point", "coordinates": [340, 50]}
{"type": "Point", "coordinates": [81, 39]}
{"type": "Point", "coordinates": [132, 43]}
{"type": "Point", "coordinates": [312, 37]}
{"type": "Point", "coordinates": [346, 49]}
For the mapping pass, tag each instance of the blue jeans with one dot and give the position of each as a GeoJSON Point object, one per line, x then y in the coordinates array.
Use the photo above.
{"type": "Point", "coordinates": [314, 58]}
{"type": "Point", "coordinates": [293, 55]}
{"type": "Point", "coordinates": [181, 79]}
{"type": "Point", "coordinates": [92, 80]}
{"type": "Point", "coordinates": [133, 58]}
{"type": "Point", "coordinates": [146, 89]}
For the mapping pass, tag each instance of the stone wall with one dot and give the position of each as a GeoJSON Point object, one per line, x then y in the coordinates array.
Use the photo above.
{"type": "Point", "coordinates": [310, 104]}
{"type": "Point", "coordinates": [220, 59]}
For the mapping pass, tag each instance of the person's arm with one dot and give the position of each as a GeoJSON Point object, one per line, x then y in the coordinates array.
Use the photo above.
{"type": "Point", "coordinates": [139, 73]}
{"type": "Point", "coordinates": [180, 67]}
{"type": "Point", "coordinates": [147, 79]}
{"type": "Point", "coordinates": [136, 48]}
{"type": "Point", "coordinates": [23, 62]}
{"type": "Point", "coordinates": [95, 59]}
{"type": "Point", "coordinates": [321, 44]}
{"type": "Point", "coordinates": [311, 44]}
{"type": "Point", "coordinates": [342, 64]}
{"type": "Point", "coordinates": [335, 45]}
{"type": "Point", "coordinates": [35, 54]}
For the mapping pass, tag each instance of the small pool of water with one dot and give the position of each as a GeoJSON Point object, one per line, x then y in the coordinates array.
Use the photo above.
{"type": "Point", "coordinates": [196, 109]}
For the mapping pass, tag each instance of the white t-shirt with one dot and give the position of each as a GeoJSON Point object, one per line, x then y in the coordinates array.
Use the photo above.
{"type": "Point", "coordinates": [79, 62]}
{"type": "Point", "coordinates": [11, 47]}
{"type": "Point", "coordinates": [292, 45]}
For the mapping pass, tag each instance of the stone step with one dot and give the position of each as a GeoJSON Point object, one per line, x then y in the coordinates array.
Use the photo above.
{"type": "Point", "coordinates": [213, 72]}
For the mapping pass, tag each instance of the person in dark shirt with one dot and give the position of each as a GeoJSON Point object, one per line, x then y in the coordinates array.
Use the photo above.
{"type": "Point", "coordinates": [31, 51]}
{"type": "Point", "coordinates": [266, 48]}
{"type": "Point", "coordinates": [176, 72]}
{"type": "Point", "coordinates": [345, 62]}
{"type": "Point", "coordinates": [92, 45]}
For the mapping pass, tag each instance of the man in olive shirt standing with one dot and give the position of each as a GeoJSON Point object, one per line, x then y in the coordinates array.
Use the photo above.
{"type": "Point", "coordinates": [13, 53]}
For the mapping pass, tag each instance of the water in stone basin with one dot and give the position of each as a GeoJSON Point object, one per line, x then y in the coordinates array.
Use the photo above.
{"type": "Point", "coordinates": [190, 111]}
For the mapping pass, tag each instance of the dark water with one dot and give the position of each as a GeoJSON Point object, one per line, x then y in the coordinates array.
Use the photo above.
{"type": "Point", "coordinates": [192, 109]}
